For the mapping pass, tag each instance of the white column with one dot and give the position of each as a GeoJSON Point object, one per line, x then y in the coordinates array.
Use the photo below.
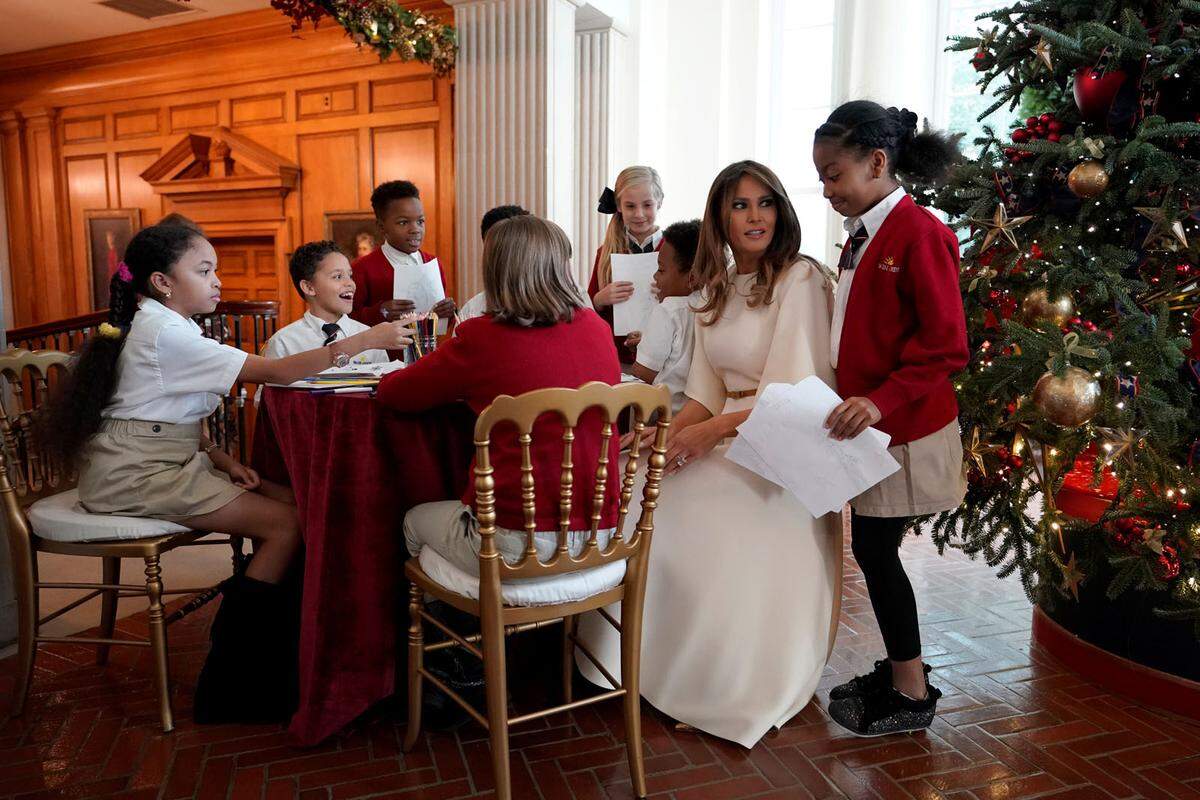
{"type": "Point", "coordinates": [514, 109]}
{"type": "Point", "coordinates": [600, 122]}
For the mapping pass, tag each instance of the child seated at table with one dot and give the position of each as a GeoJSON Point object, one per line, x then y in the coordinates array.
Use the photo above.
{"type": "Point", "coordinates": [129, 415]}
{"type": "Point", "coordinates": [401, 218]}
{"type": "Point", "coordinates": [477, 305]}
{"type": "Point", "coordinates": [539, 333]}
{"type": "Point", "coordinates": [664, 351]}
{"type": "Point", "coordinates": [321, 274]}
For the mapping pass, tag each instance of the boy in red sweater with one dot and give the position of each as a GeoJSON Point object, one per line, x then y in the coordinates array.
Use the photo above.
{"type": "Point", "coordinates": [401, 217]}
{"type": "Point", "coordinates": [898, 335]}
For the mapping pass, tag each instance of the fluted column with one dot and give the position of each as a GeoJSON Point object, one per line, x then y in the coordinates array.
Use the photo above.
{"type": "Point", "coordinates": [514, 117]}
{"type": "Point", "coordinates": [599, 51]}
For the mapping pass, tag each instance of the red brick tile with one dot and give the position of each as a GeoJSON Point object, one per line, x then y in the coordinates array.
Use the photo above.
{"type": "Point", "coordinates": [184, 773]}
{"type": "Point", "coordinates": [247, 784]}
{"type": "Point", "coordinates": [386, 783]}
{"type": "Point", "coordinates": [731, 789]}
{"type": "Point", "coordinates": [316, 762]}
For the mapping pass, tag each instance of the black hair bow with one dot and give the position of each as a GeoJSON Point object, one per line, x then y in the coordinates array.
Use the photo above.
{"type": "Point", "coordinates": [608, 202]}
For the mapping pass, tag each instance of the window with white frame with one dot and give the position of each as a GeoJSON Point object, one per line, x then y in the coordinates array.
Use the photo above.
{"type": "Point", "coordinates": [958, 96]}
{"type": "Point", "coordinates": [803, 56]}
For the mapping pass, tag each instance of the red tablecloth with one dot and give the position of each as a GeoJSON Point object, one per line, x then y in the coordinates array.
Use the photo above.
{"type": "Point", "coordinates": [356, 468]}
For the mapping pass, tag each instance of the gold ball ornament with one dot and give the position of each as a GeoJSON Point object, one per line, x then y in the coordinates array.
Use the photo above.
{"type": "Point", "coordinates": [1037, 307]}
{"type": "Point", "coordinates": [1088, 179]}
{"type": "Point", "coordinates": [1070, 400]}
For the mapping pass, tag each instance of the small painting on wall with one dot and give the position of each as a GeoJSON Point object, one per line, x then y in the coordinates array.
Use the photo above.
{"type": "Point", "coordinates": [108, 232]}
{"type": "Point", "coordinates": [356, 232]}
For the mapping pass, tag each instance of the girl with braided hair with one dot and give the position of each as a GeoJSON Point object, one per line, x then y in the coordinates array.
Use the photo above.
{"type": "Point", "coordinates": [129, 416]}
{"type": "Point", "coordinates": [898, 334]}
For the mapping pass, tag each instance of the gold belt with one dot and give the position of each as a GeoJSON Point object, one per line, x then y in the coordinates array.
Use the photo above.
{"type": "Point", "coordinates": [744, 393]}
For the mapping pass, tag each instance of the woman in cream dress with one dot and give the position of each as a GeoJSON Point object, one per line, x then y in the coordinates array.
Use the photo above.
{"type": "Point", "coordinates": [743, 590]}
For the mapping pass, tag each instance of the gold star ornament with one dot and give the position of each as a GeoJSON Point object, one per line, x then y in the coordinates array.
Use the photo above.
{"type": "Point", "coordinates": [1162, 228]}
{"type": "Point", "coordinates": [1042, 51]}
{"type": "Point", "coordinates": [1072, 577]}
{"type": "Point", "coordinates": [1001, 225]}
{"type": "Point", "coordinates": [1118, 443]}
{"type": "Point", "coordinates": [976, 450]}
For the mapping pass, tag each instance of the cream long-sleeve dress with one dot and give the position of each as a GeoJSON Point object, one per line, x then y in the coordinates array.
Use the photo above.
{"type": "Point", "coordinates": [743, 585]}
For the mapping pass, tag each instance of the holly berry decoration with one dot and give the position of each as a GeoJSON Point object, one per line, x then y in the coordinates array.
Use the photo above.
{"type": "Point", "coordinates": [983, 60]}
{"type": "Point", "coordinates": [1046, 126]}
{"type": "Point", "coordinates": [1129, 532]}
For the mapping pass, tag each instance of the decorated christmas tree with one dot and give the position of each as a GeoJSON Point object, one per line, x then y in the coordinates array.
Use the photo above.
{"type": "Point", "coordinates": [1080, 404]}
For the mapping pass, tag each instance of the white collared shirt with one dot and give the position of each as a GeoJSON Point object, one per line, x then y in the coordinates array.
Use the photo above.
{"type": "Point", "coordinates": [305, 334]}
{"type": "Point", "coordinates": [667, 344]}
{"type": "Point", "coordinates": [871, 220]}
{"type": "Point", "coordinates": [653, 239]}
{"type": "Point", "coordinates": [401, 260]}
{"type": "Point", "coordinates": [475, 307]}
{"type": "Point", "coordinates": [168, 371]}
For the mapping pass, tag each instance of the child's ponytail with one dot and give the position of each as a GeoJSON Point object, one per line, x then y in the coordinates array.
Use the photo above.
{"type": "Point", "coordinates": [920, 157]}
{"type": "Point", "coordinates": [73, 414]}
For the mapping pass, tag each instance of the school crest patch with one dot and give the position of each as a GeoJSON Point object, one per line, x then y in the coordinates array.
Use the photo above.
{"type": "Point", "coordinates": [888, 264]}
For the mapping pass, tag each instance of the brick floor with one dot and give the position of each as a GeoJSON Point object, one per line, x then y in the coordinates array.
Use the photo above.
{"type": "Point", "coordinates": [1013, 724]}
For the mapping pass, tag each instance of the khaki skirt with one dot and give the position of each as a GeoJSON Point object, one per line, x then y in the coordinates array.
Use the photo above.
{"type": "Point", "coordinates": [137, 468]}
{"type": "Point", "coordinates": [931, 478]}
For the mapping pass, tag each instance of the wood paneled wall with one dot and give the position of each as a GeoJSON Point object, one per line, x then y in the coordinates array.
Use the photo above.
{"type": "Point", "coordinates": [79, 123]}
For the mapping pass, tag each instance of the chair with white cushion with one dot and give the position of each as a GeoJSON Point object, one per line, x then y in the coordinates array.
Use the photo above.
{"type": "Point", "coordinates": [41, 514]}
{"type": "Point", "coordinates": [513, 597]}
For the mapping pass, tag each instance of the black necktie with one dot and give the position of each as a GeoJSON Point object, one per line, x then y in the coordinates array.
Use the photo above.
{"type": "Point", "coordinates": [331, 331]}
{"type": "Point", "coordinates": [850, 248]}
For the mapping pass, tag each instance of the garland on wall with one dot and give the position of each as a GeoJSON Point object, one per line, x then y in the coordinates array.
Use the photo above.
{"type": "Point", "coordinates": [383, 25]}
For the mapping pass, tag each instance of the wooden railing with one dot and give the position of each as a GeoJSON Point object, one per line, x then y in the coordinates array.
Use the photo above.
{"type": "Point", "coordinates": [246, 325]}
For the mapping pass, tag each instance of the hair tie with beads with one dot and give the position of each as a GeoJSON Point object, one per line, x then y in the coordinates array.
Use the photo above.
{"type": "Point", "coordinates": [109, 331]}
{"type": "Point", "coordinates": [123, 273]}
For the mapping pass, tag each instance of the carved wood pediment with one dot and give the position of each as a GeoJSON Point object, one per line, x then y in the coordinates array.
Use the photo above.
{"type": "Point", "coordinates": [219, 161]}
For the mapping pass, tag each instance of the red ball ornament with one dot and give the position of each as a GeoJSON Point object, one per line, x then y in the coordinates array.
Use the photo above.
{"type": "Point", "coordinates": [1017, 462]}
{"type": "Point", "coordinates": [1031, 122]}
{"type": "Point", "coordinates": [1010, 153]}
{"type": "Point", "coordinates": [1054, 137]}
{"type": "Point", "coordinates": [1045, 118]}
{"type": "Point", "coordinates": [1094, 91]}
{"type": "Point", "coordinates": [1003, 453]}
{"type": "Point", "coordinates": [1035, 250]}
{"type": "Point", "coordinates": [1020, 135]}
{"type": "Point", "coordinates": [1054, 126]}
{"type": "Point", "coordinates": [1184, 270]}
{"type": "Point", "coordinates": [1041, 130]}
{"type": "Point", "coordinates": [1168, 564]}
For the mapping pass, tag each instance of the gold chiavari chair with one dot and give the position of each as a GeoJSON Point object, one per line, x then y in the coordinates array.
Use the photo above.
{"type": "Point", "coordinates": [31, 485]}
{"type": "Point", "coordinates": [500, 617]}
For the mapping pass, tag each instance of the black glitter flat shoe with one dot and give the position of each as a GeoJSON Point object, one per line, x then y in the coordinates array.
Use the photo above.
{"type": "Point", "coordinates": [875, 680]}
{"type": "Point", "coordinates": [884, 712]}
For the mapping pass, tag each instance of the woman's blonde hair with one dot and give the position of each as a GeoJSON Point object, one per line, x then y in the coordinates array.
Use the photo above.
{"type": "Point", "coordinates": [711, 267]}
{"type": "Point", "coordinates": [616, 238]}
{"type": "Point", "coordinates": [527, 273]}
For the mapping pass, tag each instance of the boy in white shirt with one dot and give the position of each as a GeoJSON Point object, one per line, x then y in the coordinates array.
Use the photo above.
{"type": "Point", "coordinates": [664, 351]}
{"type": "Point", "coordinates": [322, 276]}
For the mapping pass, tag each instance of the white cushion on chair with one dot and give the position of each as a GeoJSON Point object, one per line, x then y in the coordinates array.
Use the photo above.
{"type": "Point", "coordinates": [61, 518]}
{"type": "Point", "coordinates": [551, 590]}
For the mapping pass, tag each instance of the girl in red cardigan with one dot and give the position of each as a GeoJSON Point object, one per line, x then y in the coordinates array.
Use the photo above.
{"type": "Point", "coordinates": [633, 228]}
{"type": "Point", "coordinates": [537, 333]}
{"type": "Point", "coordinates": [898, 335]}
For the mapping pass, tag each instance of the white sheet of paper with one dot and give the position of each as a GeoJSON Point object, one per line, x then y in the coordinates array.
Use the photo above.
{"type": "Point", "coordinates": [423, 286]}
{"type": "Point", "coordinates": [742, 452]}
{"type": "Point", "coordinates": [638, 269]}
{"type": "Point", "coordinates": [786, 430]}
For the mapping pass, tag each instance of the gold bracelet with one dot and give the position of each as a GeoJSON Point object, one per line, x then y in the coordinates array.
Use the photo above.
{"type": "Point", "coordinates": [211, 446]}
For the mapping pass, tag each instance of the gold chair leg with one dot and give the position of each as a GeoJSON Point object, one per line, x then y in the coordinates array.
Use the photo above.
{"type": "Point", "coordinates": [158, 641]}
{"type": "Point", "coordinates": [631, 658]}
{"type": "Point", "coordinates": [416, 657]}
{"type": "Point", "coordinates": [25, 574]}
{"type": "Point", "coordinates": [570, 626]}
{"type": "Point", "coordinates": [496, 683]}
{"type": "Point", "coordinates": [111, 571]}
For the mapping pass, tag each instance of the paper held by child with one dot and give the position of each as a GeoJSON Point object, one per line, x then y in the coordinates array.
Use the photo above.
{"type": "Point", "coordinates": [785, 441]}
{"type": "Point", "coordinates": [638, 269]}
{"type": "Point", "coordinates": [423, 286]}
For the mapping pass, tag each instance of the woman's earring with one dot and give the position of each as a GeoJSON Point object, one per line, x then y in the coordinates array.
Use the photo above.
{"type": "Point", "coordinates": [168, 295]}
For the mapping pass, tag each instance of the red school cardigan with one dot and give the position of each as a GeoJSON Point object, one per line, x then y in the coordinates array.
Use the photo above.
{"type": "Point", "coordinates": [905, 332]}
{"type": "Point", "coordinates": [373, 281]}
{"type": "Point", "coordinates": [626, 354]}
{"type": "Point", "coordinates": [486, 359]}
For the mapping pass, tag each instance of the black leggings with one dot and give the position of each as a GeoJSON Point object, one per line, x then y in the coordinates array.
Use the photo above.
{"type": "Point", "coordinates": [876, 545]}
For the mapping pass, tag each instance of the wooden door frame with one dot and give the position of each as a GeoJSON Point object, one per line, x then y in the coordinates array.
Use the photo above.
{"type": "Point", "coordinates": [280, 232]}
